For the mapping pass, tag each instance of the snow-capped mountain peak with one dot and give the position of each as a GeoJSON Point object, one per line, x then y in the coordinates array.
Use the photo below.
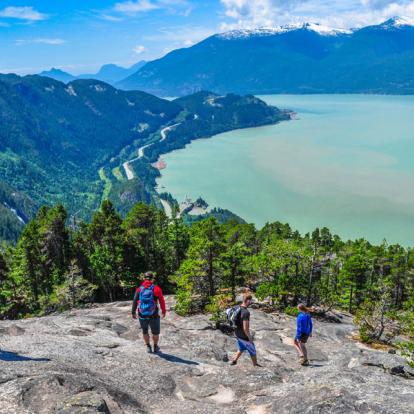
{"type": "Point", "coordinates": [397, 22]}
{"type": "Point", "coordinates": [271, 31]}
{"type": "Point", "coordinates": [325, 30]}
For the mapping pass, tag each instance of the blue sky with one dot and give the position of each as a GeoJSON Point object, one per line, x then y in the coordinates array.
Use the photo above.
{"type": "Point", "coordinates": [81, 35]}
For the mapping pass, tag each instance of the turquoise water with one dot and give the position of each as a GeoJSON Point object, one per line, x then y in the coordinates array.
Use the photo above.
{"type": "Point", "coordinates": [345, 163]}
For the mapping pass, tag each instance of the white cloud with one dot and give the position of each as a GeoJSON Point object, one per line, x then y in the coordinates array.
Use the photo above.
{"type": "Point", "coordinates": [45, 41]}
{"type": "Point", "coordinates": [134, 7]}
{"type": "Point", "coordinates": [110, 18]}
{"type": "Point", "coordinates": [23, 13]}
{"type": "Point", "coordinates": [336, 13]}
{"type": "Point", "coordinates": [139, 49]}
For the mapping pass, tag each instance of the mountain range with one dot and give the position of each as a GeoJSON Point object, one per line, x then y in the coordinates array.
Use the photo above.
{"type": "Point", "coordinates": [77, 143]}
{"type": "Point", "coordinates": [109, 73]}
{"type": "Point", "coordinates": [305, 58]}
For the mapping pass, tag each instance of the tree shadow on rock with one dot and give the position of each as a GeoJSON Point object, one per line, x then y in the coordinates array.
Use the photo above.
{"type": "Point", "coordinates": [175, 359]}
{"type": "Point", "coordinates": [14, 357]}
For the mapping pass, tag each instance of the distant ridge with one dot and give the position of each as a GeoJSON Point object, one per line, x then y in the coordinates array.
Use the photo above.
{"type": "Point", "coordinates": [58, 75]}
{"type": "Point", "coordinates": [297, 58]}
{"type": "Point", "coordinates": [109, 73]}
{"type": "Point", "coordinates": [271, 31]}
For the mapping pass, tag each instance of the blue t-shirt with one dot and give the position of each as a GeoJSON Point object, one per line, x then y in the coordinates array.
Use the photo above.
{"type": "Point", "coordinates": [303, 324]}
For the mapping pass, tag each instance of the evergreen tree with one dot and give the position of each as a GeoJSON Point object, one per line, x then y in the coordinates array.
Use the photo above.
{"type": "Point", "coordinates": [75, 290]}
{"type": "Point", "coordinates": [201, 272]}
{"type": "Point", "coordinates": [139, 226]}
{"type": "Point", "coordinates": [240, 246]}
{"type": "Point", "coordinates": [106, 256]}
{"type": "Point", "coordinates": [4, 277]}
{"type": "Point", "coordinates": [355, 273]}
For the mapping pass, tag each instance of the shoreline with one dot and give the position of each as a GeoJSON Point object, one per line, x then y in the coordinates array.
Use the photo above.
{"type": "Point", "coordinates": [160, 164]}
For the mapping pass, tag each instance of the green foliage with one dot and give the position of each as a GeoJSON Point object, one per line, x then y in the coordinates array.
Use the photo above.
{"type": "Point", "coordinates": [168, 197]}
{"type": "Point", "coordinates": [407, 350]}
{"type": "Point", "coordinates": [268, 290]}
{"type": "Point", "coordinates": [52, 267]}
{"type": "Point", "coordinates": [74, 291]}
{"type": "Point", "coordinates": [202, 269]}
{"type": "Point", "coordinates": [184, 301]}
{"type": "Point", "coordinates": [221, 215]}
{"type": "Point", "coordinates": [291, 310]}
{"type": "Point", "coordinates": [373, 318]}
{"type": "Point", "coordinates": [67, 144]}
{"type": "Point", "coordinates": [217, 305]}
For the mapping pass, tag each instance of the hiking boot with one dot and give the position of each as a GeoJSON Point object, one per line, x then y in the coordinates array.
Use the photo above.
{"type": "Point", "coordinates": [305, 363]}
{"type": "Point", "coordinates": [301, 360]}
{"type": "Point", "coordinates": [156, 349]}
{"type": "Point", "coordinates": [233, 363]}
{"type": "Point", "coordinates": [149, 349]}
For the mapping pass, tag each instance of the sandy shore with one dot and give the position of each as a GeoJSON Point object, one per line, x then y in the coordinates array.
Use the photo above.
{"type": "Point", "coordinates": [160, 164]}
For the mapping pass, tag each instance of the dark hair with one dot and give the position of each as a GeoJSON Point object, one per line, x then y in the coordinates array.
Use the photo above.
{"type": "Point", "coordinates": [149, 275]}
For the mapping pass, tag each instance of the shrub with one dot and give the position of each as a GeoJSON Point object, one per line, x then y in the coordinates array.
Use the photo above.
{"type": "Point", "coordinates": [268, 290]}
{"type": "Point", "coordinates": [374, 320]}
{"type": "Point", "coordinates": [407, 350]}
{"type": "Point", "coordinates": [184, 301]}
{"type": "Point", "coordinates": [218, 304]}
{"type": "Point", "coordinates": [291, 310]}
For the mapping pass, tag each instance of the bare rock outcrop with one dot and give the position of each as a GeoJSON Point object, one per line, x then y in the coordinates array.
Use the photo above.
{"type": "Point", "coordinates": [93, 361]}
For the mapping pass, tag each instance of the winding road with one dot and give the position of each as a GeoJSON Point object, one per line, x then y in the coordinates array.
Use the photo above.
{"type": "Point", "coordinates": [167, 129]}
{"type": "Point", "coordinates": [164, 132]}
{"type": "Point", "coordinates": [130, 174]}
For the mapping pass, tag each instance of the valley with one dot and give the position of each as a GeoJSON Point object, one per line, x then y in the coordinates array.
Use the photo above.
{"type": "Point", "coordinates": [81, 143]}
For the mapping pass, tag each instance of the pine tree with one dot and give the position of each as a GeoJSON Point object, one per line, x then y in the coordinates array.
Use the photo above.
{"type": "Point", "coordinates": [201, 272]}
{"type": "Point", "coordinates": [106, 256]}
{"type": "Point", "coordinates": [240, 245]}
{"type": "Point", "coordinates": [75, 290]}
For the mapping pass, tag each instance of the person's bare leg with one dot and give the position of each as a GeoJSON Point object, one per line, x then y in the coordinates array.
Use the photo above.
{"type": "Point", "coordinates": [155, 339]}
{"type": "Point", "coordinates": [298, 348]}
{"type": "Point", "coordinates": [146, 339]}
{"type": "Point", "coordinates": [254, 360]}
{"type": "Point", "coordinates": [304, 351]}
{"type": "Point", "coordinates": [236, 357]}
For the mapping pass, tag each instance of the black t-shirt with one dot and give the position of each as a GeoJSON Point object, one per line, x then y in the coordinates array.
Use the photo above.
{"type": "Point", "coordinates": [244, 315]}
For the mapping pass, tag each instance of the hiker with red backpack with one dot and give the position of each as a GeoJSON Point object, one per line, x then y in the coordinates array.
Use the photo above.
{"type": "Point", "coordinates": [145, 301]}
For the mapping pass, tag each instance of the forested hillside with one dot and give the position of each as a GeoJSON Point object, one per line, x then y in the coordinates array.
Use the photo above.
{"type": "Point", "coordinates": [54, 138]}
{"type": "Point", "coordinates": [67, 143]}
{"type": "Point", "coordinates": [55, 267]}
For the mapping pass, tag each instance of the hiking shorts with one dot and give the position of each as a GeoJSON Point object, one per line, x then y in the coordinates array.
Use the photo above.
{"type": "Point", "coordinates": [153, 323]}
{"type": "Point", "coordinates": [246, 346]}
{"type": "Point", "coordinates": [302, 338]}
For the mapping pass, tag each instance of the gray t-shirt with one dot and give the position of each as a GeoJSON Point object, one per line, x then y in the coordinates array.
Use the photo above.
{"type": "Point", "coordinates": [244, 315]}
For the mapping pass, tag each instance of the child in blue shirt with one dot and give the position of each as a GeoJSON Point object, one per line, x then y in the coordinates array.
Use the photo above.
{"type": "Point", "coordinates": [303, 332]}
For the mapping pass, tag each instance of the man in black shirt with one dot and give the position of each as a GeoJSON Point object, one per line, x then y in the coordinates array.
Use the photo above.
{"type": "Point", "coordinates": [244, 339]}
